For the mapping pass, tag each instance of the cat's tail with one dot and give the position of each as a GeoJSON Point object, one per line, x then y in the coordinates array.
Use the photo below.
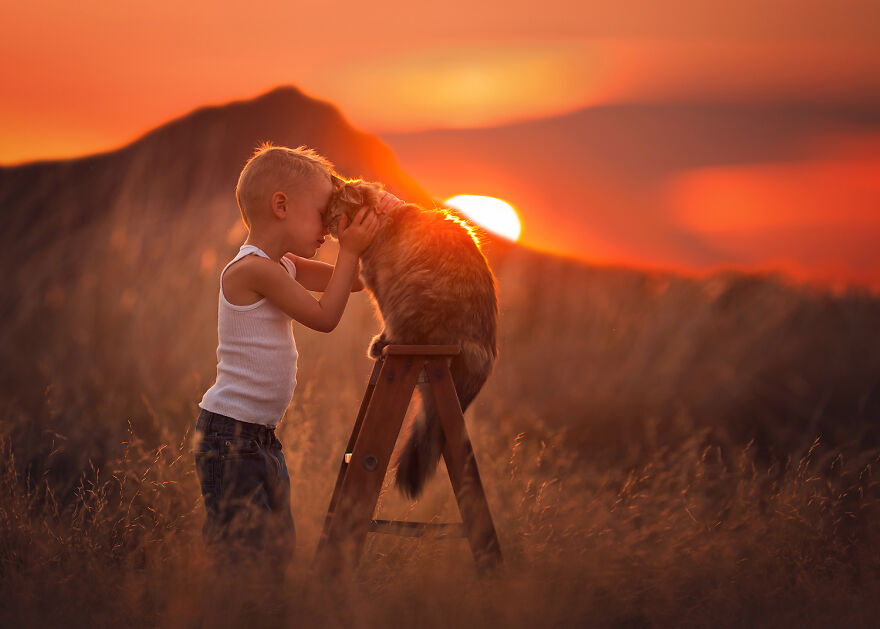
{"type": "Point", "coordinates": [421, 453]}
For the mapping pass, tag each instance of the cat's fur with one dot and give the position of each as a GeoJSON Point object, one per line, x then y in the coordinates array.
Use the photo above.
{"type": "Point", "coordinates": [432, 286]}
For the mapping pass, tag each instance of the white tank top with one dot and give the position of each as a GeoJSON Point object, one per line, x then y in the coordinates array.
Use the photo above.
{"type": "Point", "coordinates": [256, 357]}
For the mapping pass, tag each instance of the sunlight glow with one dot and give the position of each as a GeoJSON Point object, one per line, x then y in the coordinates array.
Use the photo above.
{"type": "Point", "coordinates": [493, 214]}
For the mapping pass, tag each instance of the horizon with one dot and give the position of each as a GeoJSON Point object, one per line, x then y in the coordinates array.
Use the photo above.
{"type": "Point", "coordinates": [691, 195]}
{"type": "Point", "coordinates": [796, 196]}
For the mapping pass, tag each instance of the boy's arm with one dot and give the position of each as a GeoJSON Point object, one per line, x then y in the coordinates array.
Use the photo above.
{"type": "Point", "coordinates": [275, 284]}
{"type": "Point", "coordinates": [292, 298]}
{"type": "Point", "coordinates": [315, 275]}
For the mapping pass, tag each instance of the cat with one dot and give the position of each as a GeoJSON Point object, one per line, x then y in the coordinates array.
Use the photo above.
{"type": "Point", "coordinates": [432, 286]}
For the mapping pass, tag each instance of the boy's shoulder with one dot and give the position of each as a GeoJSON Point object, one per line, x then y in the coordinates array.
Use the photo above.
{"type": "Point", "coordinates": [251, 263]}
{"type": "Point", "coordinates": [238, 279]}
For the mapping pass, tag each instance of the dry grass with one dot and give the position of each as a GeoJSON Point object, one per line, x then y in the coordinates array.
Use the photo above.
{"type": "Point", "coordinates": [647, 446]}
{"type": "Point", "coordinates": [688, 539]}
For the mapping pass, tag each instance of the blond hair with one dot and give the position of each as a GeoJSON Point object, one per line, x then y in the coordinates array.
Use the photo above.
{"type": "Point", "coordinates": [272, 168]}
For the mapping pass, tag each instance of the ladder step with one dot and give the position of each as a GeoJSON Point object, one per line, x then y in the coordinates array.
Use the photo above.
{"type": "Point", "coordinates": [423, 377]}
{"type": "Point", "coordinates": [417, 529]}
{"type": "Point", "coordinates": [421, 350]}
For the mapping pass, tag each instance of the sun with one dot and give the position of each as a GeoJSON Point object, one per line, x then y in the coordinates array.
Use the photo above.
{"type": "Point", "coordinates": [493, 214]}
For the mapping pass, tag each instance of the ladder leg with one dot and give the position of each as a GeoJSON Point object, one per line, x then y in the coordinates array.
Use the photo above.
{"type": "Point", "coordinates": [368, 394]}
{"type": "Point", "coordinates": [462, 466]}
{"type": "Point", "coordinates": [362, 478]}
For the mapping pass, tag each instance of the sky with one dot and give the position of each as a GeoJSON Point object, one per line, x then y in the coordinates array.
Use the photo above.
{"type": "Point", "coordinates": [94, 75]}
{"type": "Point", "coordinates": [91, 76]}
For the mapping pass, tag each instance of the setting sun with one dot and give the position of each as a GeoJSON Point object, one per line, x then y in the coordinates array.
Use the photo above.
{"type": "Point", "coordinates": [493, 214]}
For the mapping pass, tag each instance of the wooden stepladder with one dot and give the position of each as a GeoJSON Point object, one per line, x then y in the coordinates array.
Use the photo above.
{"type": "Point", "coordinates": [366, 459]}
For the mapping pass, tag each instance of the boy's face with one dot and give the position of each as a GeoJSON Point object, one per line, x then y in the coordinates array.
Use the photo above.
{"type": "Point", "coordinates": [305, 230]}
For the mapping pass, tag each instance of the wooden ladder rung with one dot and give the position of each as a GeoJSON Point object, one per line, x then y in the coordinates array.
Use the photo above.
{"type": "Point", "coordinates": [418, 529]}
{"type": "Point", "coordinates": [421, 350]}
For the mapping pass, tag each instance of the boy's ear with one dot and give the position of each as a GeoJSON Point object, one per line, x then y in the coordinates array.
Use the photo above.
{"type": "Point", "coordinates": [279, 201]}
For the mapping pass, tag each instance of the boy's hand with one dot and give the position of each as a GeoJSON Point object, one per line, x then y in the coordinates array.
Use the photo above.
{"type": "Point", "coordinates": [358, 235]}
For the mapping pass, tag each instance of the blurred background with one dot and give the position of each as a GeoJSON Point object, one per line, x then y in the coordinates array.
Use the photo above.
{"type": "Point", "coordinates": [685, 136]}
{"type": "Point", "coordinates": [682, 424]}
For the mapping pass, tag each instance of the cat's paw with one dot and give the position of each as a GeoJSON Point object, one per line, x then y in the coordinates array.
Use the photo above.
{"type": "Point", "coordinates": [378, 344]}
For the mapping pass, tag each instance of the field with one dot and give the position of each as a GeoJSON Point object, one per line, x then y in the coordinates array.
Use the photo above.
{"type": "Point", "coordinates": [657, 451]}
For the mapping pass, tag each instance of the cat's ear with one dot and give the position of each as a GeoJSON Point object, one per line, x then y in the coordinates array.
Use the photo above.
{"type": "Point", "coordinates": [352, 195]}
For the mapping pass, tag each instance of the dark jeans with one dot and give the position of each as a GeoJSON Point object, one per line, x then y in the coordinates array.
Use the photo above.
{"type": "Point", "coordinates": [246, 487]}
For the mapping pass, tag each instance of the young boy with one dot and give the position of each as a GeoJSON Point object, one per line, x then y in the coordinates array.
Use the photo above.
{"type": "Point", "coordinates": [239, 461]}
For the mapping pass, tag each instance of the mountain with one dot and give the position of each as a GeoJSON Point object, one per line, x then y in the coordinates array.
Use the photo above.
{"type": "Point", "coordinates": [191, 162]}
{"type": "Point", "coordinates": [689, 187]}
{"type": "Point", "coordinates": [109, 320]}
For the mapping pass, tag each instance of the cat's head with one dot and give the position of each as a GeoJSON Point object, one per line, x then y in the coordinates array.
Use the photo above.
{"type": "Point", "coordinates": [347, 198]}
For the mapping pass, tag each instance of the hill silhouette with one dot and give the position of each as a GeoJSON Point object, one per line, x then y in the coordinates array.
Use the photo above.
{"type": "Point", "coordinates": [113, 262]}
{"type": "Point", "coordinates": [191, 161]}
{"type": "Point", "coordinates": [600, 183]}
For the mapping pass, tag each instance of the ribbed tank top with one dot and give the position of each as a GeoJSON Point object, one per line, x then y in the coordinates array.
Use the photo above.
{"type": "Point", "coordinates": [256, 357]}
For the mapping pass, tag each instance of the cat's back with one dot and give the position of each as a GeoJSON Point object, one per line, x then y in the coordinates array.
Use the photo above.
{"type": "Point", "coordinates": [432, 283]}
{"type": "Point", "coordinates": [436, 255]}
{"type": "Point", "coordinates": [437, 239]}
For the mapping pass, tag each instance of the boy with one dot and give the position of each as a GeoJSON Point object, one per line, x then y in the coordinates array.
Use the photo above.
{"type": "Point", "coordinates": [281, 193]}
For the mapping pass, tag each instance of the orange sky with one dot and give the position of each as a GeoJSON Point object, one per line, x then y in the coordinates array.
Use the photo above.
{"type": "Point", "coordinates": [88, 76]}
{"type": "Point", "coordinates": [817, 219]}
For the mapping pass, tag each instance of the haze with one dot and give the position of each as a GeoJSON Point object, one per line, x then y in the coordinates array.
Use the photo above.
{"type": "Point", "coordinates": [91, 76]}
